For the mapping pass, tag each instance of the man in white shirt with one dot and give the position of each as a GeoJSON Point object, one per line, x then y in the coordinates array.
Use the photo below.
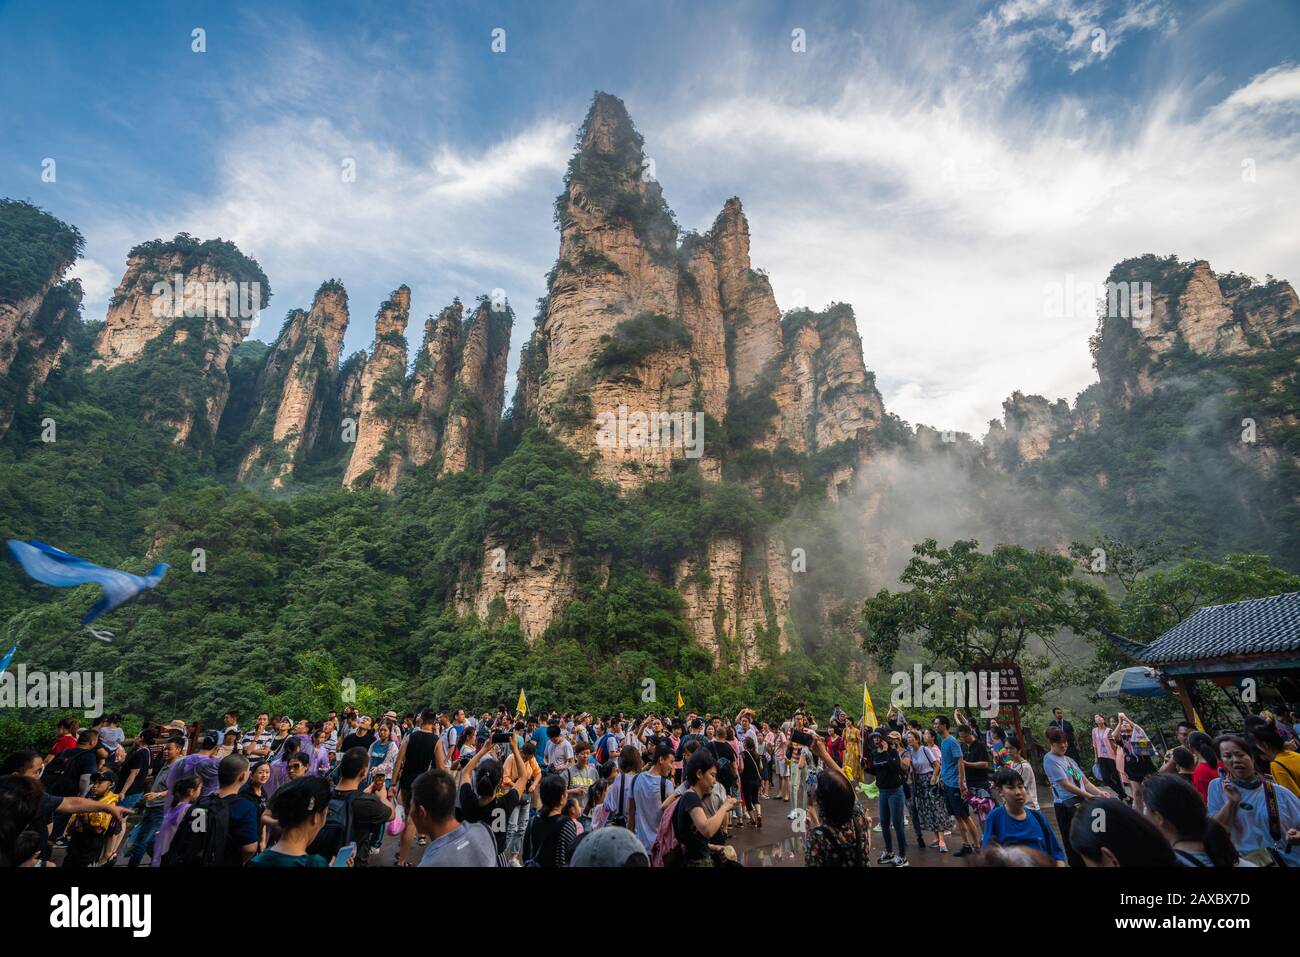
{"type": "Point", "coordinates": [745, 730]}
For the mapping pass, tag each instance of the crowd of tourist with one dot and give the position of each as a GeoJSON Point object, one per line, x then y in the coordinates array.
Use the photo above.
{"type": "Point", "coordinates": [573, 789]}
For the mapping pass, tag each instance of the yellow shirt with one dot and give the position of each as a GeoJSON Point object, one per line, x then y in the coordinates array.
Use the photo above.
{"type": "Point", "coordinates": [1286, 771]}
{"type": "Point", "coordinates": [99, 822]}
{"type": "Point", "coordinates": [508, 775]}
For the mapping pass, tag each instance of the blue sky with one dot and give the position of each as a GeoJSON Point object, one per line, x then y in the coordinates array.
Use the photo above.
{"type": "Point", "coordinates": [937, 165]}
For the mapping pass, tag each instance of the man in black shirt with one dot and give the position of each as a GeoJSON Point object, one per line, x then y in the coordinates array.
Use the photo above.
{"type": "Point", "coordinates": [421, 750]}
{"type": "Point", "coordinates": [978, 761]}
{"type": "Point", "coordinates": [362, 737]}
{"type": "Point", "coordinates": [135, 770]}
{"type": "Point", "coordinates": [370, 809]}
{"type": "Point", "coordinates": [1071, 747]}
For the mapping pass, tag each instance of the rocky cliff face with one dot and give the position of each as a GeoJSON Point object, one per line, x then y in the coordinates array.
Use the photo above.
{"type": "Point", "coordinates": [300, 370]}
{"type": "Point", "coordinates": [185, 304]}
{"type": "Point", "coordinates": [737, 609]}
{"type": "Point", "coordinates": [478, 389]}
{"type": "Point", "coordinates": [750, 313]}
{"type": "Point", "coordinates": [1161, 337]}
{"type": "Point", "coordinates": [350, 390]}
{"type": "Point", "coordinates": [634, 323]}
{"type": "Point", "coordinates": [1030, 425]}
{"type": "Point", "coordinates": [827, 402]}
{"type": "Point", "coordinates": [36, 250]}
{"type": "Point", "coordinates": [33, 338]}
{"type": "Point", "coordinates": [1195, 404]}
{"type": "Point", "coordinates": [432, 382]}
{"type": "Point", "coordinates": [450, 404]}
{"type": "Point", "coordinates": [377, 452]}
{"type": "Point", "coordinates": [532, 584]}
{"type": "Point", "coordinates": [611, 333]}
{"type": "Point", "coordinates": [1191, 311]}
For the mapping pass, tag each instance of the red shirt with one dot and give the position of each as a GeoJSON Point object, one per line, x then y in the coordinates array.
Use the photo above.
{"type": "Point", "coordinates": [1202, 776]}
{"type": "Point", "coordinates": [65, 742]}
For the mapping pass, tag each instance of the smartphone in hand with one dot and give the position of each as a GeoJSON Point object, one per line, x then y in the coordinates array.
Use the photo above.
{"type": "Point", "coordinates": [344, 855]}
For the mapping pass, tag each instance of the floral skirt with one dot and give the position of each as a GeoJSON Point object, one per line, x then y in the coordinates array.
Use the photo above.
{"type": "Point", "coordinates": [930, 811]}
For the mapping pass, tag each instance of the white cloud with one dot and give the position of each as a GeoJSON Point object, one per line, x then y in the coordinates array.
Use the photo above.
{"type": "Point", "coordinates": [97, 284]}
{"type": "Point", "coordinates": [1086, 31]}
{"type": "Point", "coordinates": [454, 221]}
{"type": "Point", "coordinates": [1279, 87]}
{"type": "Point", "coordinates": [497, 172]}
{"type": "Point", "coordinates": [942, 219]}
{"type": "Point", "coordinates": [921, 184]}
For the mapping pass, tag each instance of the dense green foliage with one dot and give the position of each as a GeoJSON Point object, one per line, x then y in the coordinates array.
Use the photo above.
{"type": "Point", "coordinates": [299, 593]}
{"type": "Point", "coordinates": [222, 256]}
{"type": "Point", "coordinates": [971, 606]}
{"type": "Point", "coordinates": [33, 246]}
{"type": "Point", "coordinates": [1174, 463]}
{"type": "Point", "coordinates": [644, 334]}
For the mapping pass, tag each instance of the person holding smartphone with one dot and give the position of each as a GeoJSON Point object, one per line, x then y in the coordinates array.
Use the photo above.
{"type": "Point", "coordinates": [1258, 814]}
{"type": "Point", "coordinates": [488, 800]}
{"type": "Point", "coordinates": [797, 757]}
{"type": "Point", "coordinates": [889, 766]}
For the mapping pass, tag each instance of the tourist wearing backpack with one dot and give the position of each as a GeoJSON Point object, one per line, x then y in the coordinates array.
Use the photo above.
{"type": "Point", "coordinates": [620, 800]}
{"type": "Point", "coordinates": [68, 775]}
{"type": "Point", "coordinates": [219, 830]}
{"type": "Point", "coordinates": [353, 814]}
{"type": "Point", "coordinates": [649, 791]}
{"type": "Point", "coordinates": [608, 742]}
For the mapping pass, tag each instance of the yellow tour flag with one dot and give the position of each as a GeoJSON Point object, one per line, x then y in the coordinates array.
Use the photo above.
{"type": "Point", "coordinates": [522, 706]}
{"type": "Point", "coordinates": [868, 712]}
{"type": "Point", "coordinates": [680, 702]}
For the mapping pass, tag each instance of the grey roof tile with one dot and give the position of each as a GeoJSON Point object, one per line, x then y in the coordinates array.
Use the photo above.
{"type": "Point", "coordinates": [1260, 626]}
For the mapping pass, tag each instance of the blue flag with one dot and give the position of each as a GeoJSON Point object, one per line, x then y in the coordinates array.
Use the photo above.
{"type": "Point", "coordinates": [52, 566]}
{"type": "Point", "coordinates": [9, 656]}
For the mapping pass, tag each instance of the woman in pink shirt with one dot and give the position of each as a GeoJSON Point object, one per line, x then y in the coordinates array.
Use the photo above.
{"type": "Point", "coordinates": [1105, 751]}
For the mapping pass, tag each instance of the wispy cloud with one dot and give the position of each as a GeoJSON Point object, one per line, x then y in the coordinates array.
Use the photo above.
{"type": "Point", "coordinates": [943, 218]}
{"type": "Point", "coordinates": [1085, 31]}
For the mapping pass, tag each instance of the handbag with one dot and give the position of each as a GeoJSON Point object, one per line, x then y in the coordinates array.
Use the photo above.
{"type": "Point", "coordinates": [1269, 856]}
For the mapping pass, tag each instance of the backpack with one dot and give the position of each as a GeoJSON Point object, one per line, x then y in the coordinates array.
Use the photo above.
{"type": "Point", "coordinates": [531, 848]}
{"type": "Point", "coordinates": [666, 852]}
{"type": "Point", "coordinates": [201, 836]}
{"type": "Point", "coordinates": [619, 817]}
{"type": "Point", "coordinates": [58, 777]}
{"type": "Point", "coordinates": [338, 825]}
{"type": "Point", "coordinates": [727, 775]}
{"type": "Point", "coordinates": [602, 748]}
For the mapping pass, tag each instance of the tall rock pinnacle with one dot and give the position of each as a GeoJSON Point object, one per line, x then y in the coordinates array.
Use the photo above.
{"type": "Point", "coordinates": [378, 451]}
{"type": "Point", "coordinates": [299, 372]}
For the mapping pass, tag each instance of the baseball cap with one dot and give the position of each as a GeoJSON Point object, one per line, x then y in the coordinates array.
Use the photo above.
{"type": "Point", "coordinates": [610, 847]}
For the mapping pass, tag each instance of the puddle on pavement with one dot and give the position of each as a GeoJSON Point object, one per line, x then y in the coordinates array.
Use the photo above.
{"type": "Point", "coordinates": [773, 855]}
